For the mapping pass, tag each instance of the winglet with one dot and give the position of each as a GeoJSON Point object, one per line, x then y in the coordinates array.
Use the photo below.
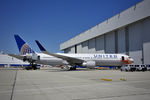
{"type": "Point", "coordinates": [40, 46]}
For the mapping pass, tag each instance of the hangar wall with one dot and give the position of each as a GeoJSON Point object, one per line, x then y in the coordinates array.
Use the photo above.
{"type": "Point", "coordinates": [67, 50]}
{"type": "Point", "coordinates": [132, 38]}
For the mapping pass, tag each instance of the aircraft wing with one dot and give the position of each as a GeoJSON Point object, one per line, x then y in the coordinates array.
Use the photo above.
{"type": "Point", "coordinates": [16, 56]}
{"type": "Point", "coordinates": [71, 60]}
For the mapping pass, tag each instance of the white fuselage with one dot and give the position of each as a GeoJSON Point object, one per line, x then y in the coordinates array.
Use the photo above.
{"type": "Point", "coordinates": [100, 59]}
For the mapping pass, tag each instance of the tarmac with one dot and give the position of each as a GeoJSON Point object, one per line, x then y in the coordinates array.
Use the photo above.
{"type": "Point", "coordinates": [82, 84]}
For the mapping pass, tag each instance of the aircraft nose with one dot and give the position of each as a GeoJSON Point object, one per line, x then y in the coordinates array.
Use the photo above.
{"type": "Point", "coordinates": [132, 61]}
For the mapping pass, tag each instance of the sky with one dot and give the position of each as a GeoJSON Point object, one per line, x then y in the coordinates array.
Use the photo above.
{"type": "Point", "coordinates": [52, 22]}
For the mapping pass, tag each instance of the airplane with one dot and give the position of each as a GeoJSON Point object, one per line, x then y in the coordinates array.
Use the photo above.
{"type": "Point", "coordinates": [88, 60]}
{"type": "Point", "coordinates": [67, 61]}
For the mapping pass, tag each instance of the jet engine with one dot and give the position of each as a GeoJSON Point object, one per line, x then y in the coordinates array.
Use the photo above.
{"type": "Point", "coordinates": [89, 64]}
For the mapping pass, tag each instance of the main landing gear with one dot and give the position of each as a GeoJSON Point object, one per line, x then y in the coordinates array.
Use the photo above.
{"type": "Point", "coordinates": [32, 66]}
{"type": "Point", "coordinates": [69, 67]}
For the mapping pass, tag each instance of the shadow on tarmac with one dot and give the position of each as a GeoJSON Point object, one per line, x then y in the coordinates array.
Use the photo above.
{"type": "Point", "coordinates": [62, 70]}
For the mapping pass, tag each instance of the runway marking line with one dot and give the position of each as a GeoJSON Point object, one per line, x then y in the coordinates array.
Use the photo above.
{"type": "Point", "coordinates": [106, 79]}
{"type": "Point", "coordinates": [123, 79]}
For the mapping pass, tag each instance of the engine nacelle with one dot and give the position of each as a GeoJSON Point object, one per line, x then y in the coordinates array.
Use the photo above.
{"type": "Point", "coordinates": [89, 64]}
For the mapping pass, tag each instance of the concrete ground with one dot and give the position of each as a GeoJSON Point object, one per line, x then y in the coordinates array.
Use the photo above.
{"type": "Point", "coordinates": [83, 84]}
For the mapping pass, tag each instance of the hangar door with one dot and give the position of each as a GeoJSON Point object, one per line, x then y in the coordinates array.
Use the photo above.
{"type": "Point", "coordinates": [100, 44]}
{"type": "Point", "coordinates": [110, 42]}
{"type": "Point", "coordinates": [121, 41]}
{"type": "Point", "coordinates": [85, 47]}
{"type": "Point", "coordinates": [135, 42]}
{"type": "Point", "coordinates": [91, 45]}
{"type": "Point", "coordinates": [146, 41]}
{"type": "Point", "coordinates": [79, 48]}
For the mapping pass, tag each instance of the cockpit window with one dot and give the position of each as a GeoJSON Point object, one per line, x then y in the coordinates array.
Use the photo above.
{"type": "Point", "coordinates": [129, 57]}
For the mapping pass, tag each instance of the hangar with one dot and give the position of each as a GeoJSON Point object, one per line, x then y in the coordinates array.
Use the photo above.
{"type": "Point", "coordinates": [127, 32]}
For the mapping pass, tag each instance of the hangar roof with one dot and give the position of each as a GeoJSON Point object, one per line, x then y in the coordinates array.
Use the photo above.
{"type": "Point", "coordinates": [130, 15]}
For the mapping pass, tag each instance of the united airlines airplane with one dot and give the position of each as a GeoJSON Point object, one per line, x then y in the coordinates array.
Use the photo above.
{"type": "Point", "coordinates": [67, 61]}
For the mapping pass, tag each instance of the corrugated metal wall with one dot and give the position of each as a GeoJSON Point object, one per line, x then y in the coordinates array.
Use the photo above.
{"type": "Point", "coordinates": [79, 48]}
{"type": "Point", "coordinates": [146, 41]}
{"type": "Point", "coordinates": [85, 47]}
{"type": "Point", "coordinates": [121, 41]}
{"type": "Point", "coordinates": [110, 42]}
{"type": "Point", "coordinates": [135, 42]}
{"type": "Point", "coordinates": [72, 50]}
{"type": "Point", "coordinates": [91, 46]}
{"type": "Point", "coordinates": [100, 44]}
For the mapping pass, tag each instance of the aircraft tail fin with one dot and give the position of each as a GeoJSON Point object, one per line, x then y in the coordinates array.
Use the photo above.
{"type": "Point", "coordinates": [40, 46]}
{"type": "Point", "coordinates": [23, 46]}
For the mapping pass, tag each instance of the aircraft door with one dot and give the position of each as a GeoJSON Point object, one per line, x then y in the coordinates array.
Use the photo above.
{"type": "Point", "coordinates": [122, 58]}
{"type": "Point", "coordinates": [38, 57]}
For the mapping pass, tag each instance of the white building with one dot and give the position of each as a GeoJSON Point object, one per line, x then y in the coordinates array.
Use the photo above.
{"type": "Point", "coordinates": [127, 32]}
{"type": "Point", "coordinates": [6, 60]}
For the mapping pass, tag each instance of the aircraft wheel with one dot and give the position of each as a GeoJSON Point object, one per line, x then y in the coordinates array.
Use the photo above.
{"type": "Point", "coordinates": [34, 67]}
